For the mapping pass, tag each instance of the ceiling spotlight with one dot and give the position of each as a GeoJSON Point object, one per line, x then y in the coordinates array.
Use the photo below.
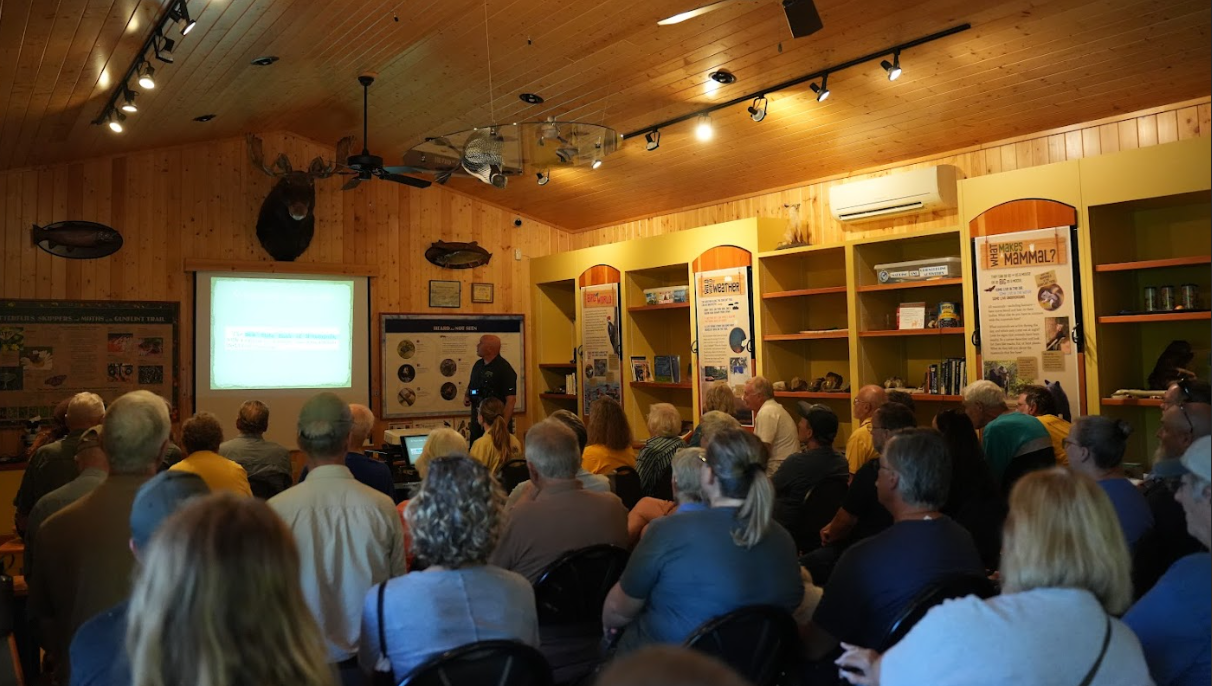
{"type": "Point", "coordinates": [704, 130]}
{"type": "Point", "coordinates": [203, 118]}
{"type": "Point", "coordinates": [115, 121]}
{"type": "Point", "coordinates": [128, 104]}
{"type": "Point", "coordinates": [652, 140]}
{"type": "Point", "coordinates": [893, 69]}
{"type": "Point", "coordinates": [723, 76]}
{"type": "Point", "coordinates": [597, 162]}
{"type": "Point", "coordinates": [163, 48]}
{"type": "Point", "coordinates": [180, 14]}
{"type": "Point", "coordinates": [531, 98]}
{"type": "Point", "coordinates": [543, 177]}
{"type": "Point", "coordinates": [146, 74]}
{"type": "Point", "coordinates": [264, 61]}
{"type": "Point", "coordinates": [822, 91]}
{"type": "Point", "coordinates": [757, 111]}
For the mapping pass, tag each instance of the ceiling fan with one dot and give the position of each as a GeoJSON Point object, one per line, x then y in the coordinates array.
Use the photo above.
{"type": "Point", "coordinates": [365, 166]}
{"type": "Point", "coordinates": [802, 16]}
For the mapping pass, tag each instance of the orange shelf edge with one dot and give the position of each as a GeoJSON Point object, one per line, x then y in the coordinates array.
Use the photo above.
{"type": "Point", "coordinates": [1190, 261]}
{"type": "Point", "coordinates": [909, 284]}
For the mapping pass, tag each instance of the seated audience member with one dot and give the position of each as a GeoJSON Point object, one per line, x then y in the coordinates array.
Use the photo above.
{"type": "Point", "coordinates": [259, 457]}
{"type": "Point", "coordinates": [1173, 620]}
{"type": "Point", "coordinates": [864, 595]}
{"type": "Point", "coordinates": [717, 397]}
{"type": "Point", "coordinates": [712, 423]}
{"type": "Point", "coordinates": [54, 464]}
{"type": "Point", "coordinates": [1096, 448]}
{"type": "Point", "coordinates": [861, 514]}
{"type": "Point", "coordinates": [895, 395]}
{"type": "Point", "coordinates": [1186, 391]}
{"type": "Point", "coordinates": [669, 666]}
{"type": "Point", "coordinates": [1038, 402]}
{"type": "Point", "coordinates": [365, 469]}
{"type": "Point", "coordinates": [1065, 576]}
{"type": "Point", "coordinates": [54, 429]}
{"type": "Point", "coordinates": [202, 436]}
{"type": "Point", "coordinates": [440, 443]}
{"type": "Point", "coordinates": [589, 481]}
{"type": "Point", "coordinates": [98, 652]}
{"type": "Point", "coordinates": [84, 561]}
{"type": "Point", "coordinates": [772, 424]}
{"type": "Point", "coordinates": [93, 466]}
{"type": "Point", "coordinates": [802, 471]}
{"type": "Point", "coordinates": [609, 437]}
{"type": "Point", "coordinates": [860, 447]}
{"type": "Point", "coordinates": [218, 602]}
{"type": "Point", "coordinates": [497, 446]}
{"type": "Point", "coordinates": [687, 494]}
{"type": "Point", "coordinates": [666, 591]}
{"type": "Point", "coordinates": [974, 501]}
{"type": "Point", "coordinates": [653, 462]}
{"type": "Point", "coordinates": [349, 535]}
{"type": "Point", "coordinates": [1005, 435]}
{"type": "Point", "coordinates": [561, 515]}
{"type": "Point", "coordinates": [458, 598]}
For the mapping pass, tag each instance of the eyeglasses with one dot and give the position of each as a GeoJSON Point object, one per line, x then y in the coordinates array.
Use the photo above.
{"type": "Point", "coordinates": [1190, 426]}
{"type": "Point", "coordinates": [1070, 443]}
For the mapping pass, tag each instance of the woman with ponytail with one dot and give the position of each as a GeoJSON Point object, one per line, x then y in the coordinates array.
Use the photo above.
{"type": "Point", "coordinates": [700, 565]}
{"type": "Point", "coordinates": [497, 446]}
{"type": "Point", "coordinates": [1095, 447]}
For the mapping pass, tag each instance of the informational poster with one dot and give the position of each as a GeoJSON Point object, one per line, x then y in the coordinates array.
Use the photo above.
{"type": "Point", "coordinates": [601, 343]}
{"type": "Point", "coordinates": [725, 327]}
{"type": "Point", "coordinates": [427, 360]}
{"type": "Point", "coordinates": [51, 350]}
{"type": "Point", "coordinates": [1028, 310]}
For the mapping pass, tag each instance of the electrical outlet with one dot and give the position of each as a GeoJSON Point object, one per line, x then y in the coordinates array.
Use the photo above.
{"type": "Point", "coordinates": [517, 254]}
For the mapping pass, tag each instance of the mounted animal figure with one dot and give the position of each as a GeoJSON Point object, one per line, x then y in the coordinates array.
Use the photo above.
{"type": "Point", "coordinates": [287, 221]}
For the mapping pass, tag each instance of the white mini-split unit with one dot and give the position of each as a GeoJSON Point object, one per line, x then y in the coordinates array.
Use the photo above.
{"type": "Point", "coordinates": [921, 190]}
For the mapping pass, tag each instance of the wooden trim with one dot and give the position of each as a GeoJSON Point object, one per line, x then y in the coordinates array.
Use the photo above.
{"type": "Point", "coordinates": [599, 275]}
{"type": "Point", "coordinates": [804, 292]}
{"type": "Point", "coordinates": [1131, 402]}
{"type": "Point", "coordinates": [909, 284]}
{"type": "Point", "coordinates": [799, 251]}
{"type": "Point", "coordinates": [1023, 215]}
{"type": "Point", "coordinates": [1194, 260]}
{"type": "Point", "coordinates": [266, 267]}
{"type": "Point", "coordinates": [722, 257]}
{"type": "Point", "coordinates": [1155, 318]}
{"type": "Point", "coordinates": [683, 386]}
{"type": "Point", "coordinates": [813, 395]}
{"type": "Point", "coordinates": [912, 332]}
{"type": "Point", "coordinates": [557, 365]}
{"type": "Point", "coordinates": [840, 333]}
{"type": "Point", "coordinates": [663, 306]}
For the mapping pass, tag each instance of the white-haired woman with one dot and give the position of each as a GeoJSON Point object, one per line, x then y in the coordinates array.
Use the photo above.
{"type": "Point", "coordinates": [687, 494]}
{"type": "Point", "coordinates": [653, 462]}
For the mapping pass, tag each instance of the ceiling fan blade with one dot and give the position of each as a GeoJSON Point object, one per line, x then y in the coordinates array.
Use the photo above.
{"type": "Point", "coordinates": [406, 170]}
{"type": "Point", "coordinates": [352, 183]}
{"type": "Point", "coordinates": [691, 14]}
{"type": "Point", "coordinates": [406, 180]}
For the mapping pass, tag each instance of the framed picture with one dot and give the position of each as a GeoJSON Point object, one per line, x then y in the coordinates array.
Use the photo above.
{"type": "Point", "coordinates": [481, 292]}
{"type": "Point", "coordinates": [445, 293]}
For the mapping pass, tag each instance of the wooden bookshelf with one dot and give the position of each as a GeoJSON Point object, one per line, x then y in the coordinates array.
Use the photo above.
{"type": "Point", "coordinates": [1138, 265]}
{"type": "Point", "coordinates": [1156, 317]}
{"type": "Point", "coordinates": [948, 331]}
{"type": "Point", "coordinates": [682, 386]}
{"type": "Point", "coordinates": [1131, 402]}
{"type": "Point", "coordinates": [664, 306]}
{"type": "Point", "coordinates": [840, 333]}
{"type": "Point", "coordinates": [813, 395]}
{"type": "Point", "coordinates": [804, 292]}
{"type": "Point", "coordinates": [936, 398]}
{"type": "Point", "coordinates": [875, 288]}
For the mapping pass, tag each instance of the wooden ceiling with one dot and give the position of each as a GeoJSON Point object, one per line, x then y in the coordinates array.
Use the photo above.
{"type": "Point", "coordinates": [1024, 66]}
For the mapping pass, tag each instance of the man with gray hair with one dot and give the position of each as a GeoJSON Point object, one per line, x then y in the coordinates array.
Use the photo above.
{"type": "Point", "coordinates": [864, 597]}
{"type": "Point", "coordinates": [84, 559]}
{"type": "Point", "coordinates": [1006, 435]}
{"type": "Point", "coordinates": [54, 464]}
{"type": "Point", "coordinates": [349, 535]}
{"type": "Point", "coordinates": [771, 422]}
{"type": "Point", "coordinates": [263, 460]}
{"type": "Point", "coordinates": [368, 470]}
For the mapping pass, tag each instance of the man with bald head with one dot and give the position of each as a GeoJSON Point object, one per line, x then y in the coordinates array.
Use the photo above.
{"type": "Point", "coordinates": [491, 377]}
{"type": "Point", "coordinates": [860, 448]}
{"type": "Point", "coordinates": [54, 464]}
{"type": "Point", "coordinates": [368, 470]}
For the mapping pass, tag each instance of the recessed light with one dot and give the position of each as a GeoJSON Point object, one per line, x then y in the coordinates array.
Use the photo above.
{"type": "Point", "coordinates": [531, 98]}
{"type": "Point", "coordinates": [204, 118]}
{"type": "Point", "coordinates": [265, 61]}
{"type": "Point", "coordinates": [723, 76]}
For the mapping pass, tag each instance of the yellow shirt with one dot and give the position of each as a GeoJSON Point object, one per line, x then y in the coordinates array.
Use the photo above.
{"type": "Point", "coordinates": [219, 473]}
{"type": "Point", "coordinates": [598, 459]}
{"type": "Point", "coordinates": [485, 452]}
{"type": "Point", "coordinates": [860, 449]}
{"type": "Point", "coordinates": [1058, 431]}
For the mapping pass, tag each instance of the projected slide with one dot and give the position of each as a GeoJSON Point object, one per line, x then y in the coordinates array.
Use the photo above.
{"type": "Point", "coordinates": [281, 333]}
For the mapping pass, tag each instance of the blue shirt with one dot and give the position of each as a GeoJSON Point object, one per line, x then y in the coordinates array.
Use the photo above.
{"type": "Point", "coordinates": [1135, 517]}
{"type": "Point", "coordinates": [98, 651]}
{"type": "Point", "coordinates": [688, 570]}
{"type": "Point", "coordinates": [368, 471]}
{"type": "Point", "coordinates": [1174, 624]}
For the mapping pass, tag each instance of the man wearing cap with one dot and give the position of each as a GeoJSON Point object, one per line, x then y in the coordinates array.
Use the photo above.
{"type": "Point", "coordinates": [1174, 620]}
{"type": "Point", "coordinates": [802, 471]}
{"type": "Point", "coordinates": [349, 535]}
{"type": "Point", "coordinates": [53, 465]}
{"type": "Point", "coordinates": [98, 651]}
{"type": "Point", "coordinates": [93, 466]}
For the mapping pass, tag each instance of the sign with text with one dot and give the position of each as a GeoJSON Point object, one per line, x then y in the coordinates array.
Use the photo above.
{"type": "Point", "coordinates": [725, 328]}
{"type": "Point", "coordinates": [601, 343]}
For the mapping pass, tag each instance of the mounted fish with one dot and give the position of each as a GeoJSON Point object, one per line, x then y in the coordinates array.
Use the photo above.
{"type": "Point", "coordinates": [457, 255]}
{"type": "Point", "coordinates": [286, 223]}
{"type": "Point", "coordinates": [77, 240]}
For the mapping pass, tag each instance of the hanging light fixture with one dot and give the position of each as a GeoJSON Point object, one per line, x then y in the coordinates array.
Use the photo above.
{"type": "Point", "coordinates": [128, 104]}
{"type": "Point", "coordinates": [652, 140]}
{"type": "Point", "coordinates": [704, 131]}
{"type": "Point", "coordinates": [180, 14]}
{"type": "Point", "coordinates": [544, 177]}
{"type": "Point", "coordinates": [822, 91]}
{"type": "Point", "coordinates": [757, 111]}
{"type": "Point", "coordinates": [163, 47]}
{"type": "Point", "coordinates": [597, 162]}
{"type": "Point", "coordinates": [893, 68]}
{"type": "Point", "coordinates": [147, 76]}
{"type": "Point", "coordinates": [115, 121]}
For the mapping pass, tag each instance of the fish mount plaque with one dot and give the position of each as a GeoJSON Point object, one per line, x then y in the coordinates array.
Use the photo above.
{"type": "Point", "coordinates": [457, 255]}
{"type": "Point", "coordinates": [77, 240]}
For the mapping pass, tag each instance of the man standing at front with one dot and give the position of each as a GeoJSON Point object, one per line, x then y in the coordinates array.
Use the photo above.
{"type": "Point", "coordinates": [491, 377]}
{"type": "Point", "coordinates": [349, 535]}
{"type": "Point", "coordinates": [771, 422]}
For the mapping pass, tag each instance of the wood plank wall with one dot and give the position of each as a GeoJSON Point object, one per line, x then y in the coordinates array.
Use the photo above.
{"type": "Point", "coordinates": [1165, 124]}
{"type": "Point", "coordinates": [201, 202]}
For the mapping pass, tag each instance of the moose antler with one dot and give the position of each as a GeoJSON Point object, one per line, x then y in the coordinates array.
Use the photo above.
{"type": "Point", "coordinates": [257, 156]}
{"type": "Point", "coordinates": [320, 170]}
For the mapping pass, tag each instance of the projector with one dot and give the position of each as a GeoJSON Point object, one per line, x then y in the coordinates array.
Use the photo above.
{"type": "Point", "coordinates": [396, 436]}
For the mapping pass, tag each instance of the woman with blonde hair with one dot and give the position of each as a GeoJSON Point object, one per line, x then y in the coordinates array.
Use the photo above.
{"type": "Point", "coordinates": [440, 443]}
{"type": "Point", "coordinates": [497, 446]}
{"type": "Point", "coordinates": [718, 397]}
{"type": "Point", "coordinates": [1065, 576]}
{"type": "Point", "coordinates": [653, 462]}
{"type": "Point", "coordinates": [664, 593]}
{"type": "Point", "coordinates": [218, 602]}
{"type": "Point", "coordinates": [609, 436]}
{"type": "Point", "coordinates": [456, 521]}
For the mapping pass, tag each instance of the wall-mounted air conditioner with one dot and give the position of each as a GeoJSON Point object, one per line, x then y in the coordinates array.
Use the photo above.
{"type": "Point", "coordinates": [921, 190]}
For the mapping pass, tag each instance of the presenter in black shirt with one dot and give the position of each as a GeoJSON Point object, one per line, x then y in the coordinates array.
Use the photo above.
{"type": "Point", "coordinates": [491, 377]}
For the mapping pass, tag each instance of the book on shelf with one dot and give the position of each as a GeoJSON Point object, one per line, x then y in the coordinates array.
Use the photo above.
{"type": "Point", "coordinates": [570, 383]}
{"type": "Point", "coordinates": [911, 316]}
{"type": "Point", "coordinates": [667, 369]}
{"type": "Point", "coordinates": [641, 370]}
{"type": "Point", "coordinates": [948, 377]}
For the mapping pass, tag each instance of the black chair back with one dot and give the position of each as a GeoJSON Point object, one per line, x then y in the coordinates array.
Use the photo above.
{"type": "Point", "coordinates": [946, 589]}
{"type": "Point", "coordinates": [7, 603]}
{"type": "Point", "coordinates": [513, 473]}
{"type": "Point", "coordinates": [499, 663]}
{"type": "Point", "coordinates": [626, 484]}
{"type": "Point", "coordinates": [1023, 464]}
{"type": "Point", "coordinates": [266, 486]}
{"type": "Point", "coordinates": [821, 503]}
{"type": "Point", "coordinates": [572, 590]}
{"type": "Point", "coordinates": [757, 641]}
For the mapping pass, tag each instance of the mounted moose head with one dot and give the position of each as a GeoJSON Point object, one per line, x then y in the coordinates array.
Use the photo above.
{"type": "Point", "coordinates": [286, 223]}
